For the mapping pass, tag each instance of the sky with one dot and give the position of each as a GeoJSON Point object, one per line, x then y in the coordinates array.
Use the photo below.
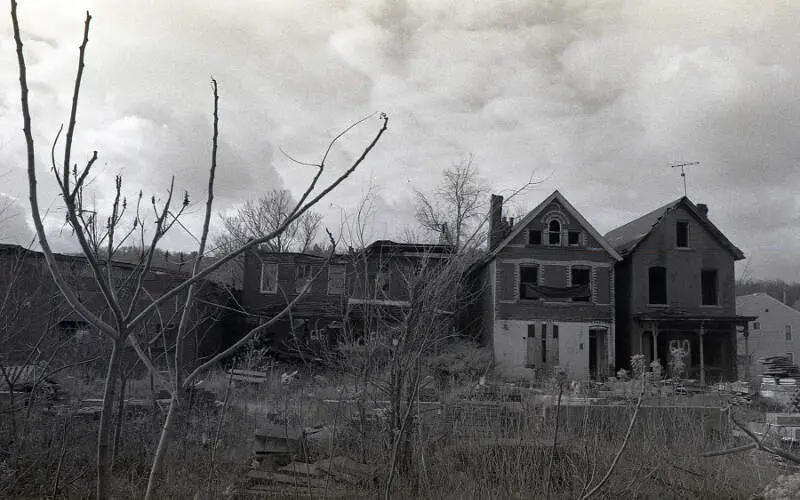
{"type": "Point", "coordinates": [596, 99]}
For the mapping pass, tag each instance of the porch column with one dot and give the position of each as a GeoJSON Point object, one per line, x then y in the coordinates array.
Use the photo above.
{"type": "Point", "coordinates": [702, 355]}
{"type": "Point", "coordinates": [655, 340]}
{"type": "Point", "coordinates": [746, 336]}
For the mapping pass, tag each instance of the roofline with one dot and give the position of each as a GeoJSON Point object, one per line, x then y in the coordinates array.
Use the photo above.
{"type": "Point", "coordinates": [712, 228]}
{"type": "Point", "coordinates": [537, 210]}
{"type": "Point", "coordinates": [786, 306]}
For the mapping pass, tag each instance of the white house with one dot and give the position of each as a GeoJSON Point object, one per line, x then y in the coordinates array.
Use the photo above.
{"type": "Point", "coordinates": [776, 331]}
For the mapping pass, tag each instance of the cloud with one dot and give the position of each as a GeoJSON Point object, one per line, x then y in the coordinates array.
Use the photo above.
{"type": "Point", "coordinates": [598, 98]}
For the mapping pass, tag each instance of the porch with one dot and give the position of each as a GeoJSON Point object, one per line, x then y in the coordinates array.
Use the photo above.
{"type": "Point", "coordinates": [709, 342]}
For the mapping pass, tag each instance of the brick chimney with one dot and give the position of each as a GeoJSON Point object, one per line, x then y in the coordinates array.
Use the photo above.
{"type": "Point", "coordinates": [496, 224]}
{"type": "Point", "coordinates": [703, 208]}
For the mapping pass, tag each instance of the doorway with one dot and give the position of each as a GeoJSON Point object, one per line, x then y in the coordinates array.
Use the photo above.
{"type": "Point", "coordinates": [597, 353]}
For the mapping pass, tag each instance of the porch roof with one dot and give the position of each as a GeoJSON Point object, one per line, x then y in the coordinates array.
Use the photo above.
{"type": "Point", "coordinates": [663, 316]}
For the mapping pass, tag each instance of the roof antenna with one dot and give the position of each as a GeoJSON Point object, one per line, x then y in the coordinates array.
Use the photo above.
{"type": "Point", "coordinates": [683, 172]}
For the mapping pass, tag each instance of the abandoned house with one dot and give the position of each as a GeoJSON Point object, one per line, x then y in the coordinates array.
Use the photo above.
{"type": "Point", "coordinates": [387, 279]}
{"type": "Point", "coordinates": [272, 280]}
{"type": "Point", "coordinates": [773, 331]}
{"type": "Point", "coordinates": [675, 289]}
{"type": "Point", "coordinates": [548, 300]}
{"type": "Point", "coordinates": [354, 296]}
{"type": "Point", "coordinates": [35, 318]}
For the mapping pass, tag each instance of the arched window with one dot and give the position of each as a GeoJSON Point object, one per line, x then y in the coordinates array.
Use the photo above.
{"type": "Point", "coordinates": [554, 232]}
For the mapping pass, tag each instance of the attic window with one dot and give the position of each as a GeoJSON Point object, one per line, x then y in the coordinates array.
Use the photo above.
{"type": "Point", "coordinates": [534, 237]}
{"type": "Point", "coordinates": [554, 233]}
{"type": "Point", "coordinates": [682, 234]}
{"type": "Point", "coordinates": [574, 238]}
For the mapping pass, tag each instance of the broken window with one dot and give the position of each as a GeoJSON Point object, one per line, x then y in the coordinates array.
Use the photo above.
{"type": "Point", "coordinates": [336, 280]}
{"type": "Point", "coordinates": [582, 276]}
{"type": "Point", "coordinates": [788, 330]}
{"type": "Point", "coordinates": [77, 330]}
{"type": "Point", "coordinates": [658, 285]}
{"type": "Point", "coordinates": [573, 238]}
{"type": "Point", "coordinates": [682, 234]}
{"type": "Point", "coordinates": [756, 325]}
{"type": "Point", "coordinates": [534, 237]}
{"type": "Point", "coordinates": [303, 274]}
{"type": "Point", "coordinates": [528, 281]}
{"type": "Point", "coordinates": [269, 278]}
{"type": "Point", "coordinates": [708, 286]}
{"type": "Point", "coordinates": [555, 331]}
{"type": "Point", "coordinates": [554, 233]}
{"type": "Point", "coordinates": [531, 331]}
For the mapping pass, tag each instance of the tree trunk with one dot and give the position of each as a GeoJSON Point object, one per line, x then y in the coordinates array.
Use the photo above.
{"type": "Point", "coordinates": [162, 445]}
{"type": "Point", "coordinates": [103, 455]}
{"type": "Point", "coordinates": [120, 419]}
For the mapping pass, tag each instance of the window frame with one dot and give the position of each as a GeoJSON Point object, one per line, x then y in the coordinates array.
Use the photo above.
{"type": "Point", "coordinates": [551, 233]}
{"type": "Point", "coordinates": [302, 278]}
{"type": "Point", "coordinates": [338, 268]}
{"type": "Point", "coordinates": [538, 232]}
{"type": "Point", "coordinates": [703, 273]}
{"type": "Point", "coordinates": [685, 225]}
{"type": "Point", "coordinates": [588, 299]}
{"type": "Point", "coordinates": [578, 235]}
{"type": "Point", "coordinates": [520, 288]}
{"type": "Point", "coordinates": [274, 288]}
{"type": "Point", "coordinates": [650, 286]}
{"type": "Point", "coordinates": [787, 332]}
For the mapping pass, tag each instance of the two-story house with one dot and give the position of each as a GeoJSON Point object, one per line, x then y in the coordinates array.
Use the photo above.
{"type": "Point", "coordinates": [773, 331]}
{"type": "Point", "coordinates": [675, 290]}
{"type": "Point", "coordinates": [273, 280]}
{"type": "Point", "coordinates": [386, 278]}
{"type": "Point", "coordinates": [548, 300]}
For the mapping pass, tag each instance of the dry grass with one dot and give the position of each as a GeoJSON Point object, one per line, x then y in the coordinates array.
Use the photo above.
{"type": "Point", "coordinates": [459, 452]}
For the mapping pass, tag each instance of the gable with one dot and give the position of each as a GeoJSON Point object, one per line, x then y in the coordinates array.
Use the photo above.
{"type": "Point", "coordinates": [664, 235]}
{"type": "Point", "coordinates": [555, 207]}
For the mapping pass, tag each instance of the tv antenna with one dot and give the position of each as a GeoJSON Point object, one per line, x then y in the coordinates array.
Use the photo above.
{"type": "Point", "coordinates": [683, 172]}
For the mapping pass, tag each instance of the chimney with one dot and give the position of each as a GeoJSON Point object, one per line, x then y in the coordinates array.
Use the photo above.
{"type": "Point", "coordinates": [495, 221]}
{"type": "Point", "coordinates": [703, 208]}
{"type": "Point", "coordinates": [444, 236]}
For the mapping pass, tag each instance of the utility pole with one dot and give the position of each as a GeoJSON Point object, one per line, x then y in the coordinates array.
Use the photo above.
{"type": "Point", "coordinates": [683, 172]}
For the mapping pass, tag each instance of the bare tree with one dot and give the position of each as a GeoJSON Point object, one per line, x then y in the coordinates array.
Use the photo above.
{"type": "Point", "coordinates": [263, 216]}
{"type": "Point", "coordinates": [127, 302]}
{"type": "Point", "coordinates": [456, 206]}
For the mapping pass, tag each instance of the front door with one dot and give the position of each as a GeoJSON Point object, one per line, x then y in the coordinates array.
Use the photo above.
{"type": "Point", "coordinates": [597, 353]}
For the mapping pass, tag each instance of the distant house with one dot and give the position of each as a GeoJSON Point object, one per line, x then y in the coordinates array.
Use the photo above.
{"type": "Point", "coordinates": [774, 330]}
{"type": "Point", "coordinates": [272, 280]}
{"type": "Point", "coordinates": [548, 301]}
{"type": "Point", "coordinates": [361, 292]}
{"type": "Point", "coordinates": [675, 289]}
{"type": "Point", "coordinates": [384, 278]}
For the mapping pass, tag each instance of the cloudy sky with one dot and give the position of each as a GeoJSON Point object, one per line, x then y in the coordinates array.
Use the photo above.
{"type": "Point", "coordinates": [597, 98]}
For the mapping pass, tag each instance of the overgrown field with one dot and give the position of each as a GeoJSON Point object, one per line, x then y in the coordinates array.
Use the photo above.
{"type": "Point", "coordinates": [466, 441]}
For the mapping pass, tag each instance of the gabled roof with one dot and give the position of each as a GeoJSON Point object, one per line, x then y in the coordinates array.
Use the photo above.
{"type": "Point", "coordinates": [751, 299]}
{"type": "Point", "coordinates": [627, 237]}
{"type": "Point", "coordinates": [556, 196]}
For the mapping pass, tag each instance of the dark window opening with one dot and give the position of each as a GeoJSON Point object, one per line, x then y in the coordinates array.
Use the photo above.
{"type": "Point", "coordinates": [574, 238]}
{"type": "Point", "coordinates": [534, 237]}
{"type": "Point", "coordinates": [582, 276]}
{"type": "Point", "coordinates": [658, 285]}
{"type": "Point", "coordinates": [544, 342]}
{"type": "Point", "coordinates": [528, 280]}
{"type": "Point", "coordinates": [554, 232]}
{"type": "Point", "coordinates": [788, 331]}
{"type": "Point", "coordinates": [682, 234]}
{"type": "Point", "coordinates": [531, 331]}
{"type": "Point", "coordinates": [756, 325]}
{"type": "Point", "coordinates": [708, 285]}
{"type": "Point", "coordinates": [555, 331]}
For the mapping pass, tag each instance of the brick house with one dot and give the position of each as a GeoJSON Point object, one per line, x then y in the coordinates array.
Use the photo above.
{"type": "Point", "coordinates": [548, 300]}
{"type": "Point", "coordinates": [675, 288]}
{"type": "Point", "coordinates": [359, 292]}
{"type": "Point", "coordinates": [34, 317]}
